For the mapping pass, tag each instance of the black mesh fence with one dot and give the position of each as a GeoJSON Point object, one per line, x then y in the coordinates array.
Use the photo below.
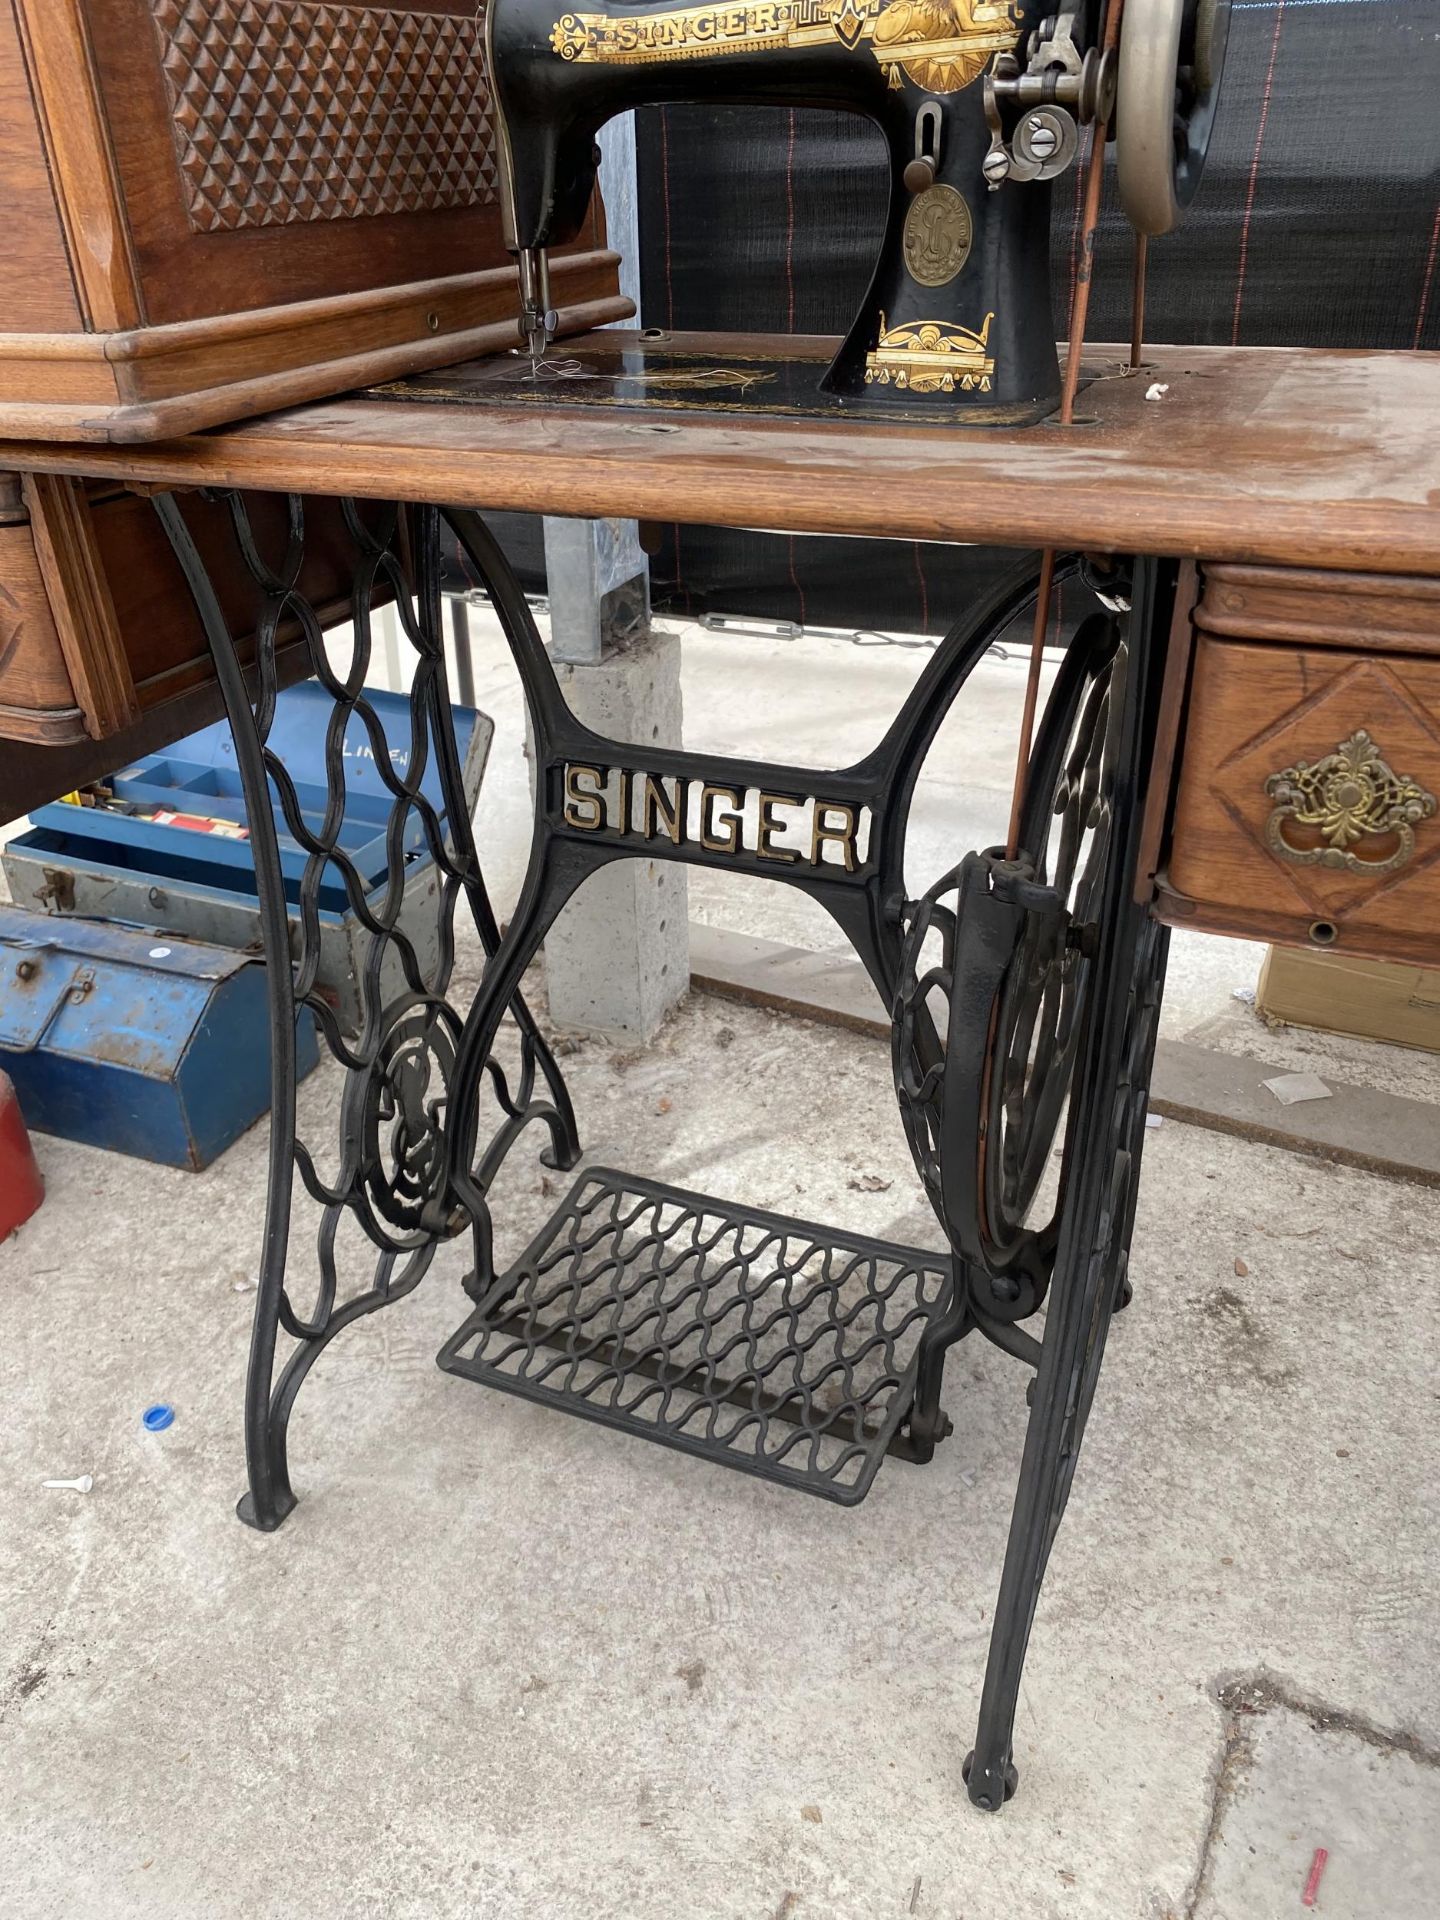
{"type": "Point", "coordinates": [1316, 225]}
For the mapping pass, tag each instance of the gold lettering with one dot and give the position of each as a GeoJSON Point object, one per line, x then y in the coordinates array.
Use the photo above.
{"type": "Point", "coordinates": [584, 809]}
{"type": "Point", "coordinates": [658, 813]}
{"type": "Point", "coordinates": [720, 835]}
{"type": "Point", "coordinates": [719, 817]}
{"type": "Point", "coordinates": [842, 836]}
{"type": "Point", "coordinates": [769, 826]}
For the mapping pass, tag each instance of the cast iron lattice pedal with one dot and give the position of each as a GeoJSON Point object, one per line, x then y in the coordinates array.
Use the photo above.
{"type": "Point", "coordinates": [780, 1348]}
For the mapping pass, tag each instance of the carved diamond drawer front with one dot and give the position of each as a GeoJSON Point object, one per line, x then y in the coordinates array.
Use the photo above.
{"type": "Point", "coordinates": [308, 112]}
{"type": "Point", "coordinates": [1308, 804]}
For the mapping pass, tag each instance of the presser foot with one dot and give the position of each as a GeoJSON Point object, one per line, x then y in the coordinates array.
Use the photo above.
{"type": "Point", "coordinates": [538, 318]}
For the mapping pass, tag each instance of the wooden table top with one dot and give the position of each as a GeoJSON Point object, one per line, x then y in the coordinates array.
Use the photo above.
{"type": "Point", "coordinates": [1293, 456]}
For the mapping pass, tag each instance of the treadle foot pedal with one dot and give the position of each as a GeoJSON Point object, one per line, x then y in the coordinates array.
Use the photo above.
{"type": "Point", "coordinates": [771, 1345]}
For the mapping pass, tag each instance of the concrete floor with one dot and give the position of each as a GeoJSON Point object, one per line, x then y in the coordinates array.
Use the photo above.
{"type": "Point", "coordinates": [500, 1663]}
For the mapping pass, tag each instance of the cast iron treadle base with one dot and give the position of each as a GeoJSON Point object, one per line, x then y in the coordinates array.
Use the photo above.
{"type": "Point", "coordinates": [783, 1349]}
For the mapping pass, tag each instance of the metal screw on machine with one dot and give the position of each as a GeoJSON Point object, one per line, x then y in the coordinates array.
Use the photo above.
{"type": "Point", "coordinates": [1045, 142]}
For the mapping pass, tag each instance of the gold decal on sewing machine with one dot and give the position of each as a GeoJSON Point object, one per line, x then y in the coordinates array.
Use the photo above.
{"type": "Point", "coordinates": [676, 810]}
{"type": "Point", "coordinates": [703, 379]}
{"type": "Point", "coordinates": [938, 231]}
{"type": "Point", "coordinates": [931, 356]}
{"type": "Point", "coordinates": [941, 44]}
{"type": "Point", "coordinates": [1341, 803]}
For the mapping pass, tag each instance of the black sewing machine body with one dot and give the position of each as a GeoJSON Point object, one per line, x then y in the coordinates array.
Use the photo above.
{"type": "Point", "coordinates": [959, 311]}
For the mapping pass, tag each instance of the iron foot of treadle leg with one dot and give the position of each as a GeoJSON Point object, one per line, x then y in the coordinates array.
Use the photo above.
{"type": "Point", "coordinates": [1124, 1291]}
{"type": "Point", "coordinates": [986, 1799]}
{"type": "Point", "coordinates": [280, 1511]}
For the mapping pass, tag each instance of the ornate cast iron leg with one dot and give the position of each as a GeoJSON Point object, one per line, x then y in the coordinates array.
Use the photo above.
{"type": "Point", "coordinates": [1104, 1139]}
{"type": "Point", "coordinates": [994, 974]}
{"type": "Point", "coordinates": [1018, 983]}
{"type": "Point", "coordinates": [588, 793]}
{"type": "Point", "coordinates": [398, 1106]}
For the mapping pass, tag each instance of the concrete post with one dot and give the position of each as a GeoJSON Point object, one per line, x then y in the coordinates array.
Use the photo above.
{"type": "Point", "coordinates": [597, 581]}
{"type": "Point", "coordinates": [618, 958]}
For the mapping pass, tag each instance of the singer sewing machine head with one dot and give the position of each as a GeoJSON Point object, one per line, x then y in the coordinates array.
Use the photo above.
{"type": "Point", "coordinates": [980, 102]}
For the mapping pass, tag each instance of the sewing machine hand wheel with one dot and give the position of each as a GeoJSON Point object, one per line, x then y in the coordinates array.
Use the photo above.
{"type": "Point", "coordinates": [1172, 55]}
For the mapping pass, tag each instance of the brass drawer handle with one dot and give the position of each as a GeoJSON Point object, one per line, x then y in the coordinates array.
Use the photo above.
{"type": "Point", "coordinates": [1351, 796]}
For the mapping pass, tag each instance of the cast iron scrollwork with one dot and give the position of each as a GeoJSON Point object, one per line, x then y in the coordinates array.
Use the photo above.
{"type": "Point", "coordinates": [995, 957]}
{"type": "Point", "coordinates": [1025, 987]}
{"type": "Point", "coordinates": [397, 1111]}
{"type": "Point", "coordinates": [401, 1105]}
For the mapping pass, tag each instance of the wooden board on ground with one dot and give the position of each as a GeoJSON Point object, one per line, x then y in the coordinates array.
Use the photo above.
{"type": "Point", "coordinates": [1376, 999]}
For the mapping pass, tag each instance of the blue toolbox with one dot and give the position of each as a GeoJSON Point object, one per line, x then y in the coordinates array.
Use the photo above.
{"type": "Point", "coordinates": [157, 1048]}
{"type": "Point", "coordinates": [169, 847]}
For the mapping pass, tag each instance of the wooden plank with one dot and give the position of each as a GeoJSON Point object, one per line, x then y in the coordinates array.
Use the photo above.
{"type": "Point", "coordinates": [36, 287]}
{"type": "Point", "coordinates": [831, 987]}
{"type": "Point", "coordinates": [81, 605]}
{"type": "Point", "coordinates": [1296, 457]}
{"type": "Point", "coordinates": [1376, 999]}
{"type": "Point", "coordinates": [63, 79]}
{"type": "Point", "coordinates": [1356, 1127]}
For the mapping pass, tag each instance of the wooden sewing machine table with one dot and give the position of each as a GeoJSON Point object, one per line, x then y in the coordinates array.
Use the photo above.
{"type": "Point", "coordinates": [1245, 736]}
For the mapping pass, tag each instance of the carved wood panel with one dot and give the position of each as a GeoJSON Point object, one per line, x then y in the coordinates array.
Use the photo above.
{"type": "Point", "coordinates": [1308, 804]}
{"type": "Point", "coordinates": [302, 112]}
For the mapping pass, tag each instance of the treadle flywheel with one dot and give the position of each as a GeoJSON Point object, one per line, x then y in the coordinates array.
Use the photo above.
{"type": "Point", "coordinates": [774, 1346]}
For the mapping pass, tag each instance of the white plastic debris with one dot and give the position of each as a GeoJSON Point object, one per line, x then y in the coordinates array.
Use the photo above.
{"type": "Point", "coordinates": [1157, 390]}
{"type": "Point", "coordinates": [1245, 995]}
{"type": "Point", "coordinates": [82, 1485]}
{"type": "Point", "coordinates": [1291, 1088]}
{"type": "Point", "coordinates": [1154, 1120]}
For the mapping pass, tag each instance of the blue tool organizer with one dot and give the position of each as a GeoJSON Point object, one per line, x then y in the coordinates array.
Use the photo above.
{"type": "Point", "coordinates": [198, 775]}
{"type": "Point", "coordinates": [114, 863]}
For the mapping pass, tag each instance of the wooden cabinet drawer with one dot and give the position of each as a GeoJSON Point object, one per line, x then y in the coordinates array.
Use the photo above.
{"type": "Point", "coordinates": [102, 655]}
{"type": "Point", "coordinates": [1307, 805]}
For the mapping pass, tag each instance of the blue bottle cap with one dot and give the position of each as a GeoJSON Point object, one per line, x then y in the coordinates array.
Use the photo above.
{"type": "Point", "coordinates": [155, 1419]}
